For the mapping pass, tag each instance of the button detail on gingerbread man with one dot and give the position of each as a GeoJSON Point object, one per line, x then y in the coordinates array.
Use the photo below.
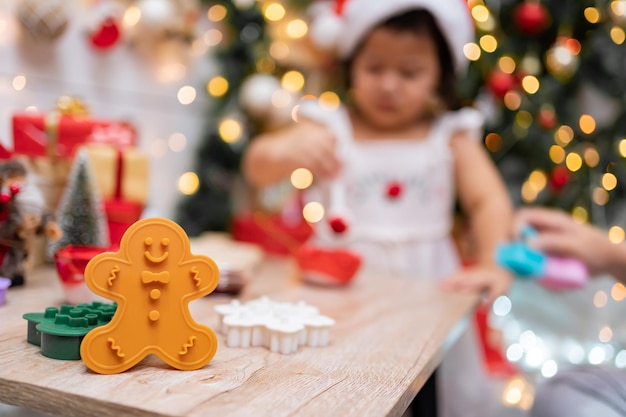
{"type": "Point", "coordinates": [153, 277]}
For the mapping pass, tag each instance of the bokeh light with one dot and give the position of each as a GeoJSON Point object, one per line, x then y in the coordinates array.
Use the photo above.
{"type": "Point", "coordinates": [188, 183]}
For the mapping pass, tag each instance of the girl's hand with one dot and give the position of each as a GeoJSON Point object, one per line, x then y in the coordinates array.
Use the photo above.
{"type": "Point", "coordinates": [558, 234]}
{"type": "Point", "coordinates": [492, 279]}
{"type": "Point", "coordinates": [309, 145]}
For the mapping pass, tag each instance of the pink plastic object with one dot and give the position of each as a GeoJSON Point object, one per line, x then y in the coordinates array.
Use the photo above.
{"type": "Point", "coordinates": [564, 274]}
{"type": "Point", "coordinates": [4, 284]}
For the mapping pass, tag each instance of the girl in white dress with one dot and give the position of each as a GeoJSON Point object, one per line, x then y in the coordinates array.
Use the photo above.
{"type": "Point", "coordinates": [391, 163]}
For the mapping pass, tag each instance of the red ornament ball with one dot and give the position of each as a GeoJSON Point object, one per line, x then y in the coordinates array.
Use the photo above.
{"type": "Point", "coordinates": [14, 189]}
{"type": "Point", "coordinates": [500, 83]}
{"type": "Point", "coordinates": [394, 189]}
{"type": "Point", "coordinates": [4, 198]}
{"type": "Point", "coordinates": [338, 224]}
{"type": "Point", "coordinates": [106, 35]}
{"type": "Point", "coordinates": [559, 177]}
{"type": "Point", "coordinates": [547, 118]}
{"type": "Point", "coordinates": [531, 18]}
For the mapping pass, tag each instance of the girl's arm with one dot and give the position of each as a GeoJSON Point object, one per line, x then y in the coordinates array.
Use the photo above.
{"type": "Point", "coordinates": [485, 200]}
{"type": "Point", "coordinates": [272, 157]}
{"type": "Point", "coordinates": [483, 196]}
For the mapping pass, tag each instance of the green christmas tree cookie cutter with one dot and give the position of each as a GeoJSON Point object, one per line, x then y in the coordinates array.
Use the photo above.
{"type": "Point", "coordinates": [59, 332]}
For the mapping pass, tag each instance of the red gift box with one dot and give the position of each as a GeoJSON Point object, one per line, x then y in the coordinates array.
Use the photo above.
{"type": "Point", "coordinates": [121, 215]}
{"type": "Point", "coordinates": [58, 135]}
{"type": "Point", "coordinates": [47, 142]}
{"type": "Point", "coordinates": [122, 179]}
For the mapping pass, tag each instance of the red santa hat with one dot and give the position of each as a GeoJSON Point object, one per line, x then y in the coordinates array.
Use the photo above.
{"type": "Point", "coordinates": [342, 24]}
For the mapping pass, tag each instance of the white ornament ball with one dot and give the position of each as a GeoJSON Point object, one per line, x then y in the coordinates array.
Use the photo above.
{"type": "Point", "coordinates": [244, 4]}
{"type": "Point", "coordinates": [326, 30]}
{"type": "Point", "coordinates": [43, 19]}
{"type": "Point", "coordinates": [256, 94]}
{"type": "Point", "coordinates": [156, 13]}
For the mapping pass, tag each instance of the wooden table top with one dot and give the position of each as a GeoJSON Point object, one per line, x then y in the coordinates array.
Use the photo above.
{"type": "Point", "coordinates": [390, 334]}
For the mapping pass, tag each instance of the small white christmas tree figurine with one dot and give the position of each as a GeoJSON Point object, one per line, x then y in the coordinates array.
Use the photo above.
{"type": "Point", "coordinates": [81, 213]}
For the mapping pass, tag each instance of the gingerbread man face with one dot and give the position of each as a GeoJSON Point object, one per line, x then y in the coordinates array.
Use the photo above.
{"type": "Point", "coordinates": [153, 277]}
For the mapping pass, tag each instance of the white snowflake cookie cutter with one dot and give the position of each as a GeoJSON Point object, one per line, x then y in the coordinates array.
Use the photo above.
{"type": "Point", "coordinates": [280, 327]}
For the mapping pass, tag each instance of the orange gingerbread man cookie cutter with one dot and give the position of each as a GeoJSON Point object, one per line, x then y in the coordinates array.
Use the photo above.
{"type": "Point", "coordinates": [152, 277]}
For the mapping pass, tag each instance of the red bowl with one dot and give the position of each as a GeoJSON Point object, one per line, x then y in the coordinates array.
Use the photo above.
{"type": "Point", "coordinates": [327, 266]}
{"type": "Point", "coordinates": [271, 232]}
{"type": "Point", "coordinates": [71, 262]}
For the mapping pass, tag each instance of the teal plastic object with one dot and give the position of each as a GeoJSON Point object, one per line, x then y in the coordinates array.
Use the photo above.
{"type": "Point", "coordinates": [551, 272]}
{"type": "Point", "coordinates": [60, 331]}
{"type": "Point", "coordinates": [521, 260]}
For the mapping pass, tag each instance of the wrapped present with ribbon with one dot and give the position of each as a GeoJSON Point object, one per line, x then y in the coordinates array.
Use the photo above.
{"type": "Point", "coordinates": [58, 133]}
{"type": "Point", "coordinates": [47, 142]}
{"type": "Point", "coordinates": [121, 174]}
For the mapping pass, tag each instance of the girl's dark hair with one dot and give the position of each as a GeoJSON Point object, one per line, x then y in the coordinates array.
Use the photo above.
{"type": "Point", "coordinates": [422, 22]}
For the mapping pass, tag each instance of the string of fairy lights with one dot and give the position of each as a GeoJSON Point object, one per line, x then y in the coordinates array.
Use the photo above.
{"type": "Point", "coordinates": [561, 61]}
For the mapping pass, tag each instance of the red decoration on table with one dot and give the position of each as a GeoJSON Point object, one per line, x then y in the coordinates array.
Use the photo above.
{"type": "Point", "coordinates": [270, 232]}
{"type": "Point", "coordinates": [338, 224]}
{"type": "Point", "coordinates": [71, 262]}
{"type": "Point", "coordinates": [327, 266]}
{"type": "Point", "coordinates": [106, 35]}
{"type": "Point", "coordinates": [496, 362]}
{"type": "Point", "coordinates": [531, 17]}
{"type": "Point", "coordinates": [394, 189]}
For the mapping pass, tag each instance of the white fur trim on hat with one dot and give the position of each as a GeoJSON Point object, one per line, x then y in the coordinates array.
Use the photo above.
{"type": "Point", "coordinates": [361, 16]}
{"type": "Point", "coordinates": [326, 30]}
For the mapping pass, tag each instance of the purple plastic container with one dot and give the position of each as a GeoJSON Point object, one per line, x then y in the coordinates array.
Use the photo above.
{"type": "Point", "coordinates": [4, 284]}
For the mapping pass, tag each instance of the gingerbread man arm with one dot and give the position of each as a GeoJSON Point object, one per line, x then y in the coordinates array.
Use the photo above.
{"type": "Point", "coordinates": [105, 274]}
{"type": "Point", "coordinates": [202, 273]}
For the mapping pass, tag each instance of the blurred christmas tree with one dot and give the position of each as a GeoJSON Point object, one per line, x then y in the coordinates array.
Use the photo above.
{"type": "Point", "coordinates": [81, 214]}
{"type": "Point", "coordinates": [550, 75]}
{"type": "Point", "coordinates": [264, 66]}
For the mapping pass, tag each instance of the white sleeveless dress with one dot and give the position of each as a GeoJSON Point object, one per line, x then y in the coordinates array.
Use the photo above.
{"type": "Point", "coordinates": [398, 197]}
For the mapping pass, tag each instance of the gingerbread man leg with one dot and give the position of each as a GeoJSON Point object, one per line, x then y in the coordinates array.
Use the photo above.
{"type": "Point", "coordinates": [110, 351]}
{"type": "Point", "coordinates": [192, 352]}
